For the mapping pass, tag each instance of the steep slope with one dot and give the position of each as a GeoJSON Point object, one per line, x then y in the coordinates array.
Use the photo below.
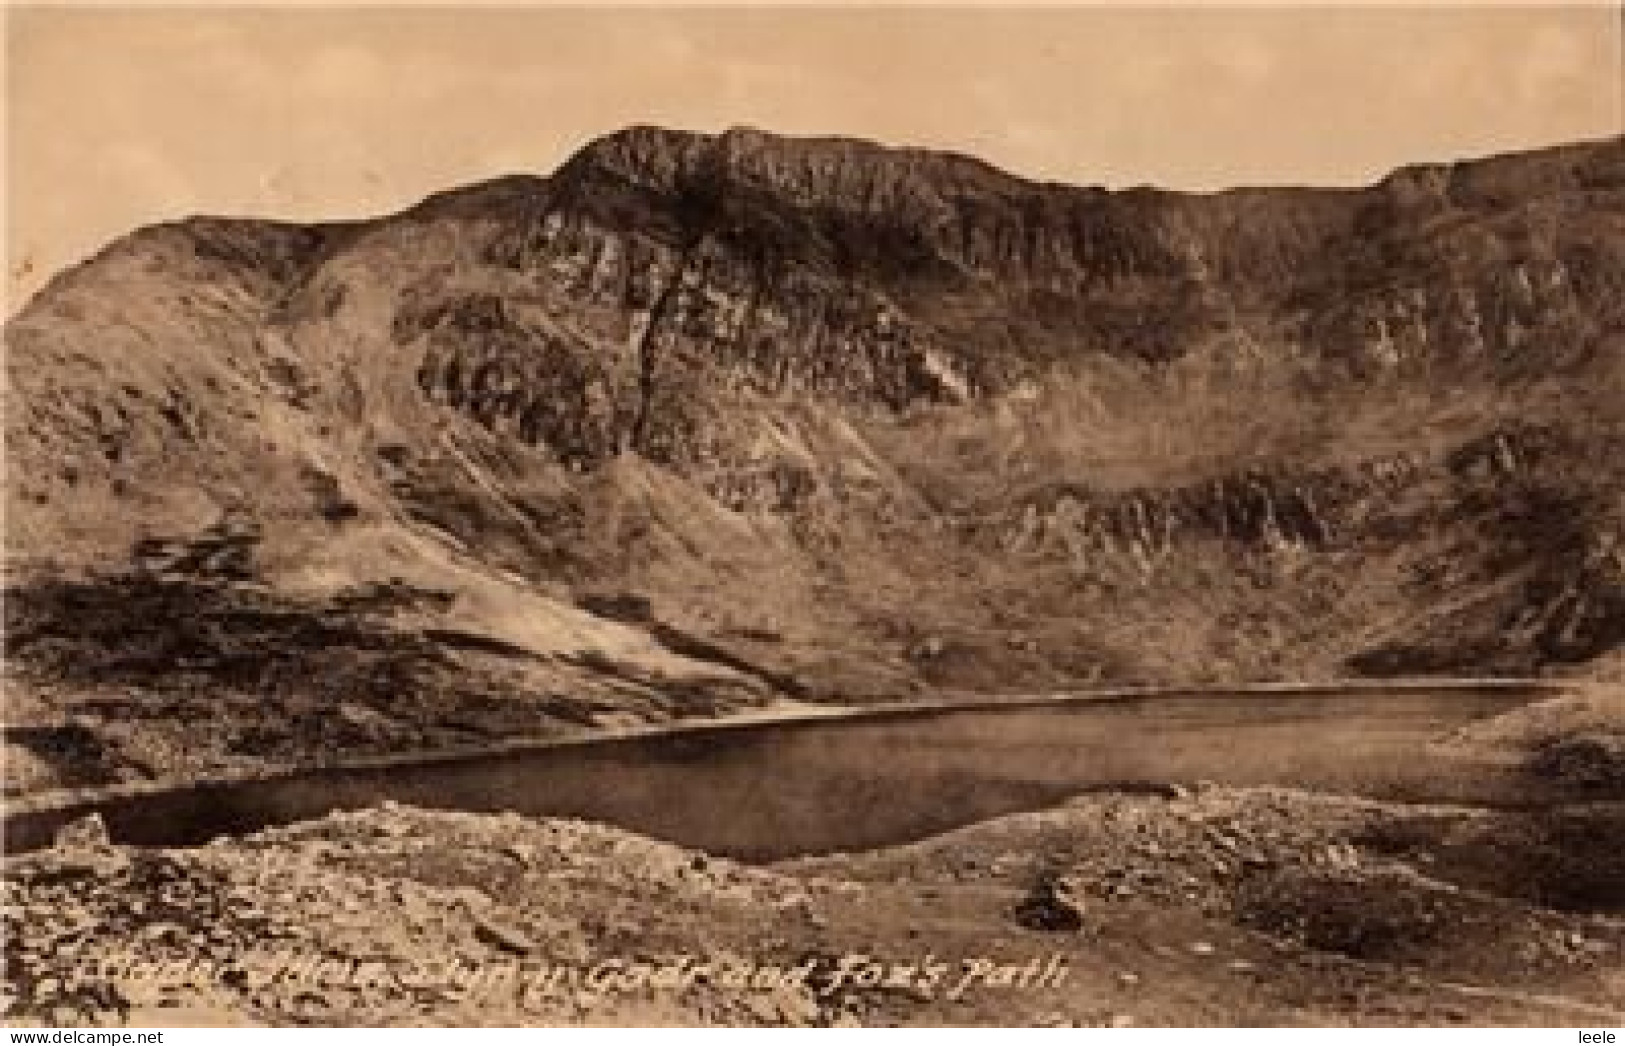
{"type": "Point", "coordinates": [843, 421]}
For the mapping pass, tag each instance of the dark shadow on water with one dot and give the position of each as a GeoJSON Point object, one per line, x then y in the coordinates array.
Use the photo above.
{"type": "Point", "coordinates": [776, 790]}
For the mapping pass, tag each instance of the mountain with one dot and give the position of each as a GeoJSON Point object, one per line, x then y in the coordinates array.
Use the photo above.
{"type": "Point", "coordinates": [824, 419]}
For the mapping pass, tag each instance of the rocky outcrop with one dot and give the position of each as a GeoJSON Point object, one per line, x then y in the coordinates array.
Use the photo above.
{"type": "Point", "coordinates": [1254, 511]}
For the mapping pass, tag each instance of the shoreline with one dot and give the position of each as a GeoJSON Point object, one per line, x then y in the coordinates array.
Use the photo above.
{"type": "Point", "coordinates": [784, 715]}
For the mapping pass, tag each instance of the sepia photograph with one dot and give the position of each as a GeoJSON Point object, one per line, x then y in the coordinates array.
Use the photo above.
{"type": "Point", "coordinates": [833, 516]}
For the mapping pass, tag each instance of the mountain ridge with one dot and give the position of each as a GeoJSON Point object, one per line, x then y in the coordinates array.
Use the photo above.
{"type": "Point", "coordinates": [536, 183]}
{"type": "Point", "coordinates": [867, 422]}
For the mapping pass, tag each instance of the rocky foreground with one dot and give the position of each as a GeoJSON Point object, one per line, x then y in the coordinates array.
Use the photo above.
{"type": "Point", "coordinates": [1198, 906]}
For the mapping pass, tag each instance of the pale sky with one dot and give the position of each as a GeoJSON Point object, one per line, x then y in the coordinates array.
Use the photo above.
{"type": "Point", "coordinates": [121, 117]}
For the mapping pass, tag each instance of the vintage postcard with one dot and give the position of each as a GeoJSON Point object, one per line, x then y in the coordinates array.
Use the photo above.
{"type": "Point", "coordinates": [814, 516]}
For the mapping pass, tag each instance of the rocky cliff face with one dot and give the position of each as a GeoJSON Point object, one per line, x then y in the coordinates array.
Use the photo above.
{"type": "Point", "coordinates": [872, 419]}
